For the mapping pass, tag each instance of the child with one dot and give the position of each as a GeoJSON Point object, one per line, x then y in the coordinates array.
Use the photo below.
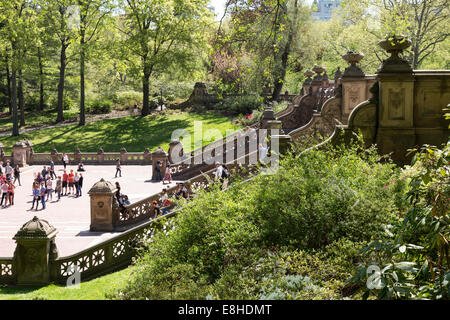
{"type": "Point", "coordinates": [156, 209]}
{"type": "Point", "coordinates": [168, 175]}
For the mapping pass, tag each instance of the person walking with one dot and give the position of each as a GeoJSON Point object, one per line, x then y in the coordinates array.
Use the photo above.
{"type": "Point", "coordinates": [52, 169]}
{"type": "Point", "coordinates": [118, 168]}
{"type": "Point", "coordinates": [17, 174]}
{"type": "Point", "coordinates": [158, 171]}
{"type": "Point", "coordinates": [58, 187]}
{"type": "Point", "coordinates": [167, 175]}
{"type": "Point", "coordinates": [80, 184]}
{"type": "Point", "coordinates": [65, 160]}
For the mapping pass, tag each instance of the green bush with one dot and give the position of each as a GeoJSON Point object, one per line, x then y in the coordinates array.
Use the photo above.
{"type": "Point", "coordinates": [239, 105]}
{"type": "Point", "coordinates": [322, 199]}
{"type": "Point", "coordinates": [68, 103]}
{"type": "Point", "coordinates": [99, 106]}
{"type": "Point", "coordinates": [126, 100]}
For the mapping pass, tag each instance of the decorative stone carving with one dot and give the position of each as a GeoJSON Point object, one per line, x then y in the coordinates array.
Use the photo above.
{"type": "Point", "coordinates": [394, 64]}
{"type": "Point", "coordinates": [353, 70]}
{"type": "Point", "coordinates": [103, 217]}
{"type": "Point", "coordinates": [35, 249]}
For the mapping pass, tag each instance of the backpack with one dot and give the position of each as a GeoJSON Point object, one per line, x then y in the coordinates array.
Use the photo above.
{"type": "Point", "coordinates": [225, 173]}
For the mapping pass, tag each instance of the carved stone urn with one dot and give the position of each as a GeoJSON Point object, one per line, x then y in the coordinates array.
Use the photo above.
{"type": "Point", "coordinates": [318, 70]}
{"type": "Point", "coordinates": [353, 70]}
{"type": "Point", "coordinates": [395, 45]}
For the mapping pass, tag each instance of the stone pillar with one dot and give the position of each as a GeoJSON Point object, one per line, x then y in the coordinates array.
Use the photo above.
{"type": "Point", "coordinates": [20, 150]}
{"type": "Point", "coordinates": [123, 155]}
{"type": "Point", "coordinates": [307, 82]}
{"type": "Point", "coordinates": [103, 204]}
{"type": "Point", "coordinates": [159, 155]}
{"type": "Point", "coordinates": [54, 155]}
{"type": "Point", "coordinates": [354, 86]}
{"type": "Point", "coordinates": [30, 150]}
{"type": "Point", "coordinates": [396, 131]}
{"type": "Point", "coordinates": [267, 115]}
{"type": "Point", "coordinates": [175, 150]}
{"type": "Point", "coordinates": [317, 80]}
{"type": "Point", "coordinates": [101, 155]}
{"type": "Point", "coordinates": [77, 156]}
{"type": "Point", "coordinates": [35, 251]}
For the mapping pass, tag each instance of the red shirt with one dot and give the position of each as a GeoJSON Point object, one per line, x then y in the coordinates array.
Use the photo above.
{"type": "Point", "coordinates": [71, 175]}
{"type": "Point", "coordinates": [65, 176]}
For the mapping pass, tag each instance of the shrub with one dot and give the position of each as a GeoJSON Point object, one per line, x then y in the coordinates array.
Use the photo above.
{"type": "Point", "coordinates": [239, 105]}
{"type": "Point", "coordinates": [99, 106]}
{"type": "Point", "coordinates": [314, 201]}
{"type": "Point", "coordinates": [126, 100]}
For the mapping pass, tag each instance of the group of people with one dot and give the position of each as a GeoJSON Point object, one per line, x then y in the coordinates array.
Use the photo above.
{"type": "Point", "coordinates": [44, 185]}
{"type": "Point", "coordinates": [7, 184]}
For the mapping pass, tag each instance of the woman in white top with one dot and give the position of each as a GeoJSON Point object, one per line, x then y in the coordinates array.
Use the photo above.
{"type": "Point", "coordinates": [49, 187]}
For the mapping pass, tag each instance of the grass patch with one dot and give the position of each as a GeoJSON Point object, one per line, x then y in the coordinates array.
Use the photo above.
{"type": "Point", "coordinates": [133, 133]}
{"type": "Point", "coordinates": [95, 289]}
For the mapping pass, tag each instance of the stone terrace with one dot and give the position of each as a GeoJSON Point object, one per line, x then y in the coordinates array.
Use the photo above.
{"type": "Point", "coordinates": [71, 216]}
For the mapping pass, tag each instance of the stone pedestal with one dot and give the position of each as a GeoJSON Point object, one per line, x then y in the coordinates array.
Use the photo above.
{"type": "Point", "coordinates": [100, 155]}
{"type": "Point", "coordinates": [159, 155]}
{"type": "Point", "coordinates": [35, 250]}
{"type": "Point", "coordinates": [77, 156]}
{"type": "Point", "coordinates": [54, 155]}
{"type": "Point", "coordinates": [103, 215]}
{"type": "Point", "coordinates": [268, 115]}
{"type": "Point", "coordinates": [147, 156]}
{"type": "Point", "coordinates": [123, 155]}
{"type": "Point", "coordinates": [20, 151]}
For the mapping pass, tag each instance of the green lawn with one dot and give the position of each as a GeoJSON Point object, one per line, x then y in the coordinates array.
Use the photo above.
{"type": "Point", "coordinates": [34, 118]}
{"type": "Point", "coordinates": [95, 289]}
{"type": "Point", "coordinates": [133, 133]}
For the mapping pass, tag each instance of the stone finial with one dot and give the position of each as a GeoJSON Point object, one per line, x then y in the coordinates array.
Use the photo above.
{"type": "Point", "coordinates": [77, 150]}
{"type": "Point", "coordinates": [146, 151]}
{"type": "Point", "coordinates": [100, 151]}
{"type": "Point", "coordinates": [318, 70]}
{"type": "Point", "coordinates": [395, 45]}
{"type": "Point", "coordinates": [54, 151]}
{"type": "Point", "coordinates": [20, 144]}
{"type": "Point", "coordinates": [159, 152]}
{"type": "Point", "coordinates": [102, 187]}
{"type": "Point", "coordinates": [338, 74]}
{"type": "Point", "coordinates": [353, 70]}
{"type": "Point", "coordinates": [36, 229]}
{"type": "Point", "coordinates": [123, 150]}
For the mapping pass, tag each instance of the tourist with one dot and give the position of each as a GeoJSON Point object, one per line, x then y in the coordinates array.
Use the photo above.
{"type": "Point", "coordinates": [158, 171]}
{"type": "Point", "coordinates": [80, 167]}
{"type": "Point", "coordinates": [42, 194]}
{"type": "Point", "coordinates": [65, 160]}
{"type": "Point", "coordinates": [58, 187]}
{"type": "Point", "coordinates": [11, 188]}
{"type": "Point", "coordinates": [71, 182]}
{"type": "Point", "coordinates": [52, 169]}
{"type": "Point", "coordinates": [64, 182]}
{"type": "Point", "coordinates": [181, 192]}
{"type": "Point", "coordinates": [168, 175]}
{"type": "Point", "coordinates": [156, 209]}
{"type": "Point", "coordinates": [80, 184]}
{"type": "Point", "coordinates": [4, 194]}
{"type": "Point", "coordinates": [44, 173]}
{"type": "Point", "coordinates": [222, 174]}
{"type": "Point", "coordinates": [39, 178]}
{"type": "Point", "coordinates": [17, 174]}
{"type": "Point", "coordinates": [49, 187]}
{"type": "Point", "coordinates": [118, 191]}
{"type": "Point", "coordinates": [164, 201]}
{"type": "Point", "coordinates": [76, 180]}
{"type": "Point", "coordinates": [118, 170]}
{"type": "Point", "coordinates": [8, 169]}
{"type": "Point", "coordinates": [36, 196]}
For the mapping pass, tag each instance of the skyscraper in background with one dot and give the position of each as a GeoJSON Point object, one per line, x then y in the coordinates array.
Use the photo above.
{"type": "Point", "coordinates": [324, 9]}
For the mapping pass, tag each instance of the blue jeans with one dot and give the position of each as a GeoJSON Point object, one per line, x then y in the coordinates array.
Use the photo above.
{"type": "Point", "coordinates": [43, 201]}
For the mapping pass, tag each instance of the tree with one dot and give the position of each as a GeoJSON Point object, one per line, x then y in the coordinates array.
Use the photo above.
{"type": "Point", "coordinates": [164, 34]}
{"type": "Point", "coordinates": [425, 22]}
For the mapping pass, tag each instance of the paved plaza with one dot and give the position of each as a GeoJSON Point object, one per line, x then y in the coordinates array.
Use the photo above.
{"type": "Point", "coordinates": [71, 216]}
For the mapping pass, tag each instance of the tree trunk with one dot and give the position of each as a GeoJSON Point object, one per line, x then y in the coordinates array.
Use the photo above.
{"type": "Point", "coordinates": [15, 130]}
{"type": "Point", "coordinates": [21, 100]}
{"type": "Point", "coordinates": [41, 81]}
{"type": "Point", "coordinates": [82, 69]}
{"type": "Point", "coordinates": [146, 90]}
{"type": "Point", "coordinates": [8, 80]}
{"type": "Point", "coordinates": [62, 71]}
